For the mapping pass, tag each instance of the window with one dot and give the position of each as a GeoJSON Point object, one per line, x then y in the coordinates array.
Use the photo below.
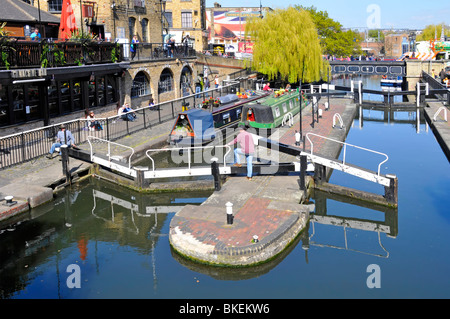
{"type": "Point", "coordinates": [226, 118]}
{"type": "Point", "coordinates": [165, 82]}
{"type": "Point", "coordinates": [140, 85]}
{"type": "Point", "coordinates": [186, 20]}
{"type": "Point", "coordinates": [131, 23]}
{"type": "Point", "coordinates": [284, 108]}
{"type": "Point", "coordinates": [168, 16]}
{"type": "Point", "coordinates": [277, 112]}
{"type": "Point", "coordinates": [291, 104]}
{"type": "Point", "coordinates": [144, 24]}
{"type": "Point", "coordinates": [54, 5]}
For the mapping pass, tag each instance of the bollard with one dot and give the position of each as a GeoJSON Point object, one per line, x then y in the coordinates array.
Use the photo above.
{"type": "Point", "coordinates": [327, 105]}
{"type": "Point", "coordinates": [65, 162]}
{"type": "Point", "coordinates": [216, 174]}
{"type": "Point", "coordinates": [297, 138]}
{"type": "Point", "coordinates": [229, 213]}
{"type": "Point", "coordinates": [255, 238]}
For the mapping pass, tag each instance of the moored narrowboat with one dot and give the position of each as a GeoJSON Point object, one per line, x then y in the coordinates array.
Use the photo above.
{"type": "Point", "coordinates": [192, 127]}
{"type": "Point", "coordinates": [200, 126]}
{"type": "Point", "coordinates": [270, 112]}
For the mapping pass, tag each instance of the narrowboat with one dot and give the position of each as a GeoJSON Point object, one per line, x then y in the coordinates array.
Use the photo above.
{"type": "Point", "coordinates": [214, 114]}
{"type": "Point", "coordinates": [192, 127]}
{"type": "Point", "coordinates": [270, 112]}
{"type": "Point", "coordinates": [391, 81]}
{"type": "Point", "coordinates": [226, 110]}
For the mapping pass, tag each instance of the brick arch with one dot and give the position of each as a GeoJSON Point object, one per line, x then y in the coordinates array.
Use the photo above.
{"type": "Point", "coordinates": [183, 85]}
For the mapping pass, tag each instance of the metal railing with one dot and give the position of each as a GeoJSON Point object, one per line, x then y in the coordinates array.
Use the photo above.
{"type": "Point", "coordinates": [18, 53]}
{"type": "Point", "coordinates": [345, 149]}
{"type": "Point", "coordinates": [25, 146]}
{"type": "Point", "coordinates": [435, 85]}
{"type": "Point", "coordinates": [155, 51]}
{"type": "Point", "coordinates": [108, 154]}
{"type": "Point", "coordinates": [188, 151]}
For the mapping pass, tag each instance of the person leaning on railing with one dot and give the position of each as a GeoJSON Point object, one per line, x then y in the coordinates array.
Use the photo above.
{"type": "Point", "coordinates": [61, 138]}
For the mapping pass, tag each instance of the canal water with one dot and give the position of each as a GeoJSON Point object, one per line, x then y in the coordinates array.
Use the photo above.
{"type": "Point", "coordinates": [120, 246]}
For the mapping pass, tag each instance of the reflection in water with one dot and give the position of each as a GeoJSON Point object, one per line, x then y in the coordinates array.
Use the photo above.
{"type": "Point", "coordinates": [388, 226]}
{"type": "Point", "coordinates": [123, 250]}
{"type": "Point", "coordinates": [81, 226]}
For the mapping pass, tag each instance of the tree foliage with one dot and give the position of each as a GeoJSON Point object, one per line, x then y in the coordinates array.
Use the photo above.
{"type": "Point", "coordinates": [431, 32]}
{"type": "Point", "coordinates": [286, 44]}
{"type": "Point", "coordinates": [334, 40]}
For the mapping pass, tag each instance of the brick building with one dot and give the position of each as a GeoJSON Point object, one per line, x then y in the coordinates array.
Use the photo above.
{"type": "Point", "coordinates": [395, 45]}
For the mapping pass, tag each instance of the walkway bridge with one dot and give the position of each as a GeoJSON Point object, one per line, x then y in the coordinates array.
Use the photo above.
{"type": "Point", "coordinates": [388, 68]}
{"type": "Point", "coordinates": [427, 88]}
{"type": "Point", "coordinates": [193, 162]}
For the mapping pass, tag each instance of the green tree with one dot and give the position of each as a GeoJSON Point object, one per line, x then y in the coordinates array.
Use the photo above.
{"type": "Point", "coordinates": [286, 44]}
{"type": "Point", "coordinates": [431, 32]}
{"type": "Point", "coordinates": [334, 40]}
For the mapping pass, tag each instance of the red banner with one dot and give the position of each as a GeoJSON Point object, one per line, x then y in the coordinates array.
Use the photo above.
{"type": "Point", "coordinates": [246, 47]}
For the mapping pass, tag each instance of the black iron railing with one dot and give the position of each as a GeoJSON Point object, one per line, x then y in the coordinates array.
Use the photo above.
{"type": "Point", "coordinates": [26, 146]}
{"type": "Point", "coordinates": [16, 53]}
{"type": "Point", "coordinates": [155, 51]}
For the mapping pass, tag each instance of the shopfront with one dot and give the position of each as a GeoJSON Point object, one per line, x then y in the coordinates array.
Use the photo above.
{"type": "Point", "coordinates": [40, 94]}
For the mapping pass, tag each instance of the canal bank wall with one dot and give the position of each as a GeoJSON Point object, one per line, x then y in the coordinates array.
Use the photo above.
{"type": "Point", "coordinates": [437, 118]}
{"type": "Point", "coordinates": [247, 223]}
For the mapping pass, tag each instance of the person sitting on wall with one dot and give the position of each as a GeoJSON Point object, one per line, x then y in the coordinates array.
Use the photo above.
{"type": "Point", "coordinates": [61, 138]}
{"type": "Point", "coordinates": [93, 123]}
{"type": "Point", "coordinates": [126, 113]}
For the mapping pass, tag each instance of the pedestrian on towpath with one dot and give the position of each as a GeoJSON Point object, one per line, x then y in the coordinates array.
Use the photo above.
{"type": "Point", "coordinates": [247, 148]}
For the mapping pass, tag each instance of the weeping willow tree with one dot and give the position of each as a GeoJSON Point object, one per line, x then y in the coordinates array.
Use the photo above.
{"type": "Point", "coordinates": [286, 44]}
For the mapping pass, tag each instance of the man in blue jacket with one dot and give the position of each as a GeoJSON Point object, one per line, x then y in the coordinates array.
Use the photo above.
{"type": "Point", "coordinates": [61, 138]}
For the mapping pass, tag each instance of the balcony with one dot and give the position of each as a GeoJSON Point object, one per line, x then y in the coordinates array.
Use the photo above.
{"type": "Point", "coordinates": [159, 51]}
{"type": "Point", "coordinates": [18, 54]}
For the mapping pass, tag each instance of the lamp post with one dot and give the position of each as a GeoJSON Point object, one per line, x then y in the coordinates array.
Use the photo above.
{"type": "Point", "coordinates": [162, 3]}
{"type": "Point", "coordinates": [114, 18]}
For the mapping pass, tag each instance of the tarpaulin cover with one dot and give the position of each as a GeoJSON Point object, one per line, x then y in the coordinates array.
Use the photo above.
{"type": "Point", "coordinates": [262, 113]}
{"type": "Point", "coordinates": [228, 98]}
{"type": "Point", "coordinates": [201, 122]}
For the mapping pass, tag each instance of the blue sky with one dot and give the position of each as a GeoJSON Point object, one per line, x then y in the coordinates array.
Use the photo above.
{"type": "Point", "coordinates": [412, 14]}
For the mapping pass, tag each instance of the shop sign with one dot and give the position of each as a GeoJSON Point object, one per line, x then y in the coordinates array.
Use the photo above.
{"type": "Point", "coordinates": [28, 73]}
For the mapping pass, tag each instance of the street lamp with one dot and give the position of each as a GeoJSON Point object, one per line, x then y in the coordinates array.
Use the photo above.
{"type": "Point", "coordinates": [113, 6]}
{"type": "Point", "coordinates": [162, 3]}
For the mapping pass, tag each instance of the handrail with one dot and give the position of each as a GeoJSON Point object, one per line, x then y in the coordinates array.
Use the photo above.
{"type": "Point", "coordinates": [338, 116]}
{"type": "Point", "coordinates": [439, 111]}
{"type": "Point", "coordinates": [109, 148]}
{"type": "Point", "coordinates": [288, 117]}
{"type": "Point", "coordinates": [189, 153]}
{"type": "Point", "coordinates": [345, 149]}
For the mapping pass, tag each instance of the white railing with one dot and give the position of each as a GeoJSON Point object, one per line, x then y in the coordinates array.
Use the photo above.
{"type": "Point", "coordinates": [442, 108]}
{"type": "Point", "coordinates": [288, 118]}
{"type": "Point", "coordinates": [345, 149]}
{"type": "Point", "coordinates": [338, 116]}
{"type": "Point", "coordinates": [108, 154]}
{"type": "Point", "coordinates": [188, 150]}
